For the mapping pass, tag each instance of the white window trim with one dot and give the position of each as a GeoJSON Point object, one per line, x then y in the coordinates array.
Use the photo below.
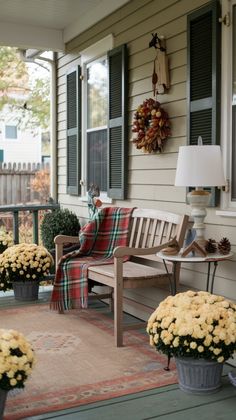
{"type": "Point", "coordinates": [228, 207]}
{"type": "Point", "coordinates": [96, 50]}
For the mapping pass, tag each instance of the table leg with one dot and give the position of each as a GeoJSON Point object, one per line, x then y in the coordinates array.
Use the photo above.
{"type": "Point", "coordinates": [213, 275]}
{"type": "Point", "coordinates": [208, 276]}
{"type": "Point", "coordinates": [172, 277]}
{"type": "Point", "coordinates": [208, 288]}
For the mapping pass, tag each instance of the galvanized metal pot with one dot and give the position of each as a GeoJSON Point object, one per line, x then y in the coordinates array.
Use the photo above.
{"type": "Point", "coordinates": [199, 376]}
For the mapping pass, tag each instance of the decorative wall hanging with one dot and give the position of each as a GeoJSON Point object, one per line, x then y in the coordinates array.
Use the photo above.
{"type": "Point", "coordinates": [160, 75]}
{"type": "Point", "coordinates": [151, 123]}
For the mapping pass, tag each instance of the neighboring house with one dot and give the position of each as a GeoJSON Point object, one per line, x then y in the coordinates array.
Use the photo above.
{"type": "Point", "coordinates": [113, 60]}
{"type": "Point", "coordinates": [19, 146]}
{"type": "Point", "coordinates": [20, 143]}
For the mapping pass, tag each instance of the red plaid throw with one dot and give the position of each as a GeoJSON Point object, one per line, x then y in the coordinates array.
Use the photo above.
{"type": "Point", "coordinates": [97, 241]}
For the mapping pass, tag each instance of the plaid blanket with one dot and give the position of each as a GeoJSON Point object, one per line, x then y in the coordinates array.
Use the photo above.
{"type": "Point", "coordinates": [98, 239]}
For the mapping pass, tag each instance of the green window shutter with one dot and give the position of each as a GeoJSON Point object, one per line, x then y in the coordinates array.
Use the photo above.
{"type": "Point", "coordinates": [73, 102]}
{"type": "Point", "coordinates": [203, 80]}
{"type": "Point", "coordinates": [118, 123]}
{"type": "Point", "coordinates": [1, 155]}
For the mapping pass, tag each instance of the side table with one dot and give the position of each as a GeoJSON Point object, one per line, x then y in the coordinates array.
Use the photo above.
{"type": "Point", "coordinates": [210, 259]}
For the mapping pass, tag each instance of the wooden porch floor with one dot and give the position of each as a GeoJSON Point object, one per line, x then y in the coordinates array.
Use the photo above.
{"type": "Point", "coordinates": [166, 403]}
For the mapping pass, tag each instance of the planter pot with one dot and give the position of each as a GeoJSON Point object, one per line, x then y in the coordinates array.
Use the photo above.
{"type": "Point", "coordinates": [3, 398]}
{"type": "Point", "coordinates": [26, 291]}
{"type": "Point", "coordinates": [198, 376]}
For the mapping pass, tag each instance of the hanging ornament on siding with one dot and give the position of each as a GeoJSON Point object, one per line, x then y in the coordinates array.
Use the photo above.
{"type": "Point", "coordinates": [160, 75]}
{"type": "Point", "coordinates": [154, 78]}
{"type": "Point", "coordinates": [151, 125]}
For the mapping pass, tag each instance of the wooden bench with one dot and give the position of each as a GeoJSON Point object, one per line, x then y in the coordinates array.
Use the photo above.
{"type": "Point", "coordinates": [150, 230]}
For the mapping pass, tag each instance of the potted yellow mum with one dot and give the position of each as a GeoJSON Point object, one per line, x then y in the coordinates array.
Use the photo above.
{"type": "Point", "coordinates": [199, 330]}
{"type": "Point", "coordinates": [22, 267]}
{"type": "Point", "coordinates": [16, 362]}
{"type": "Point", "coordinates": [6, 239]}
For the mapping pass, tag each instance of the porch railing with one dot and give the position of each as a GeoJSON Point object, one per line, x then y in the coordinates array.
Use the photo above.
{"type": "Point", "coordinates": [31, 208]}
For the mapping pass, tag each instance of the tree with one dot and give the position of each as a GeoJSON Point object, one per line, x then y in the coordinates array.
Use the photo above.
{"type": "Point", "coordinates": [24, 91]}
{"type": "Point", "coordinates": [13, 75]}
{"type": "Point", "coordinates": [41, 184]}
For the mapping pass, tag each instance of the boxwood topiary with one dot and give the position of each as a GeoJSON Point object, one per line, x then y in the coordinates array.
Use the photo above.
{"type": "Point", "coordinates": [58, 222]}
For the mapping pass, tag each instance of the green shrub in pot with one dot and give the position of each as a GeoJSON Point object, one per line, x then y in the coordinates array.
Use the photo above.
{"type": "Point", "coordinates": [58, 222]}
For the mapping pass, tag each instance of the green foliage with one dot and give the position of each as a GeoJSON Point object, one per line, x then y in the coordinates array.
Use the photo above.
{"type": "Point", "coordinates": [13, 75]}
{"type": "Point", "coordinates": [58, 222]}
{"type": "Point", "coordinates": [37, 110]}
{"type": "Point", "coordinates": [28, 97]}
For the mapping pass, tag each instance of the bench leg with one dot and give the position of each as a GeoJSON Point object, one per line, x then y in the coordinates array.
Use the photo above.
{"type": "Point", "coordinates": [111, 301]}
{"type": "Point", "coordinates": [118, 303]}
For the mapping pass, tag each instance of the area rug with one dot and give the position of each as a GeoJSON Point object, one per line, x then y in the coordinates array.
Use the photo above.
{"type": "Point", "coordinates": [77, 362]}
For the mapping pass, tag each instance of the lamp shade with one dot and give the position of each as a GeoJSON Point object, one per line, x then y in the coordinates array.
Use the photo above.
{"type": "Point", "coordinates": [199, 166]}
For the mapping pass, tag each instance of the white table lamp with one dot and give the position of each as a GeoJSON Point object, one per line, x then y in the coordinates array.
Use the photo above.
{"type": "Point", "coordinates": [199, 166]}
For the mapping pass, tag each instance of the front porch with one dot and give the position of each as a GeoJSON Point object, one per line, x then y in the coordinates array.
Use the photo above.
{"type": "Point", "coordinates": [167, 402]}
{"type": "Point", "coordinates": [150, 177]}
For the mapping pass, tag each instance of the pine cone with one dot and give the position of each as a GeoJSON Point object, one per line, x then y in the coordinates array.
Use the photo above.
{"type": "Point", "coordinates": [224, 246]}
{"type": "Point", "coordinates": [211, 246]}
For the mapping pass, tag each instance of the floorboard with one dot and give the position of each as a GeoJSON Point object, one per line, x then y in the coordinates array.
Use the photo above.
{"type": "Point", "coordinates": [166, 403]}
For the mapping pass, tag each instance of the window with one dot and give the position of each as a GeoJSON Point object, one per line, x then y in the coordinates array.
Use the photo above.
{"type": "Point", "coordinates": [233, 107]}
{"type": "Point", "coordinates": [96, 127]}
{"type": "Point", "coordinates": [204, 78]}
{"type": "Point", "coordinates": [10, 131]}
{"type": "Point", "coordinates": [228, 110]}
{"type": "Point", "coordinates": [97, 138]}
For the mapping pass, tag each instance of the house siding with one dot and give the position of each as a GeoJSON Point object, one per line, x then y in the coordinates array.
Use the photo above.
{"type": "Point", "coordinates": [150, 176]}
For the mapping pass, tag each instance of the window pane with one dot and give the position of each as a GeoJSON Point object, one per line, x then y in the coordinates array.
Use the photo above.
{"type": "Point", "coordinates": [234, 55]}
{"type": "Point", "coordinates": [97, 94]}
{"type": "Point", "coordinates": [97, 158]}
{"type": "Point", "coordinates": [11, 132]}
{"type": "Point", "coordinates": [233, 193]}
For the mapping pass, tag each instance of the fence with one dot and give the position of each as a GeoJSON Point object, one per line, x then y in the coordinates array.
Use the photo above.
{"type": "Point", "coordinates": [15, 180]}
{"type": "Point", "coordinates": [32, 213]}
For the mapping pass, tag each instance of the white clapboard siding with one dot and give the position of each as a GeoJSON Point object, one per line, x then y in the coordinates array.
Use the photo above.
{"type": "Point", "coordinates": [150, 176]}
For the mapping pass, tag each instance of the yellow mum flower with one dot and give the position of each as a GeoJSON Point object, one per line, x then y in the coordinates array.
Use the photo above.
{"type": "Point", "coordinates": [193, 345]}
{"type": "Point", "coordinates": [217, 351]}
{"type": "Point", "coordinates": [193, 321]}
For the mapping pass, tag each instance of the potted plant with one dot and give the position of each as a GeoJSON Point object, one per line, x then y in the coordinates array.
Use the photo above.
{"type": "Point", "coordinates": [199, 330]}
{"type": "Point", "coordinates": [58, 222]}
{"type": "Point", "coordinates": [22, 267]}
{"type": "Point", "coordinates": [17, 360]}
{"type": "Point", "coordinates": [6, 239]}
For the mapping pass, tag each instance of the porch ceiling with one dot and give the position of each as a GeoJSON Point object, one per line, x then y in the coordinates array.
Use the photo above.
{"type": "Point", "coordinates": [50, 24]}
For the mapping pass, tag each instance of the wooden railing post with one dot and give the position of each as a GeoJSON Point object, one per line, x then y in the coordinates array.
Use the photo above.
{"type": "Point", "coordinates": [16, 226]}
{"type": "Point", "coordinates": [35, 227]}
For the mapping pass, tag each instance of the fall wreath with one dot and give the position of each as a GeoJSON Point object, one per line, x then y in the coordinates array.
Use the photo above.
{"type": "Point", "coordinates": [151, 123]}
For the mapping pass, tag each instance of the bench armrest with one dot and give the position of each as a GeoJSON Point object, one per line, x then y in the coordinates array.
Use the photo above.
{"type": "Point", "coordinates": [125, 251]}
{"type": "Point", "coordinates": [61, 240]}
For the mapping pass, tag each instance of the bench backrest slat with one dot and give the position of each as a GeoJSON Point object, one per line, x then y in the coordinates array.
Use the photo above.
{"type": "Point", "coordinates": [153, 227]}
{"type": "Point", "coordinates": [145, 236]}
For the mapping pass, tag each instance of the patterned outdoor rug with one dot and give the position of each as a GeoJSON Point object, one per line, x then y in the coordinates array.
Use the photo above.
{"type": "Point", "coordinates": [77, 362]}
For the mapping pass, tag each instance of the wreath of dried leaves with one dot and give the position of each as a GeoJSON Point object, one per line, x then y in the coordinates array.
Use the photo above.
{"type": "Point", "coordinates": [151, 125]}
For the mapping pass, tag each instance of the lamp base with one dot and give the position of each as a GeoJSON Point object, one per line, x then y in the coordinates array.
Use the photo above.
{"type": "Point", "coordinates": [199, 200]}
